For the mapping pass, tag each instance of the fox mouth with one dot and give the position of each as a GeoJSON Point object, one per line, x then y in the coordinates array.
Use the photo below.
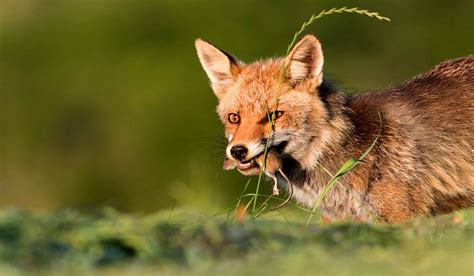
{"type": "Point", "coordinates": [251, 166]}
{"type": "Point", "coordinates": [248, 165]}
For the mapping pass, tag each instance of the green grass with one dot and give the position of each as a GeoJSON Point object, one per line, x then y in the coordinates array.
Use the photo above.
{"type": "Point", "coordinates": [111, 243]}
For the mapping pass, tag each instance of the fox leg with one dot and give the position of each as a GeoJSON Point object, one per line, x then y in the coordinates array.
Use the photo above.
{"type": "Point", "coordinates": [392, 202]}
{"type": "Point", "coordinates": [326, 219]}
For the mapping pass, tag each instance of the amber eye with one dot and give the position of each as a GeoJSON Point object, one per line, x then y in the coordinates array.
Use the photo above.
{"type": "Point", "coordinates": [276, 114]}
{"type": "Point", "coordinates": [233, 118]}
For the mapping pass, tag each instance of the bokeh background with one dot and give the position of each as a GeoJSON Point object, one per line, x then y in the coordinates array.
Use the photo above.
{"type": "Point", "coordinates": [104, 103]}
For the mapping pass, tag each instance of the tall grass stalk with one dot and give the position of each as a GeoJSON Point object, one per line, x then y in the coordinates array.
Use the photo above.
{"type": "Point", "coordinates": [323, 13]}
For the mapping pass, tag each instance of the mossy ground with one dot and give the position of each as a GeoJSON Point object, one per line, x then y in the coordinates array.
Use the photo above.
{"type": "Point", "coordinates": [111, 243]}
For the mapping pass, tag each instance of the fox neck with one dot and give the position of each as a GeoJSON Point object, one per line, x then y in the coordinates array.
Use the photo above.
{"type": "Point", "coordinates": [349, 131]}
{"type": "Point", "coordinates": [331, 138]}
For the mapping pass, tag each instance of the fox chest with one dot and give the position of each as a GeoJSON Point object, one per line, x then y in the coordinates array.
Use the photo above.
{"type": "Point", "coordinates": [340, 202]}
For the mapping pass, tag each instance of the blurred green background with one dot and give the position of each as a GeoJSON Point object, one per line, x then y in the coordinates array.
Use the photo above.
{"type": "Point", "coordinates": [104, 103]}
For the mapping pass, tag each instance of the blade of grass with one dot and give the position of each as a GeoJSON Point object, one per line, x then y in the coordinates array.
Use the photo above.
{"type": "Point", "coordinates": [279, 199]}
{"type": "Point", "coordinates": [172, 209]}
{"type": "Point", "coordinates": [242, 194]}
{"type": "Point", "coordinates": [323, 13]}
{"type": "Point", "coordinates": [240, 199]}
{"type": "Point", "coordinates": [260, 175]}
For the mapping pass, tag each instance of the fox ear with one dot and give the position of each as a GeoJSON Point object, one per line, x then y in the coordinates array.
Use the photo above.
{"type": "Point", "coordinates": [220, 67]}
{"type": "Point", "coordinates": [305, 61]}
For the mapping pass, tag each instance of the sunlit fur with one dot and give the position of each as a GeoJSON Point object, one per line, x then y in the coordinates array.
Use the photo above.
{"type": "Point", "coordinates": [423, 163]}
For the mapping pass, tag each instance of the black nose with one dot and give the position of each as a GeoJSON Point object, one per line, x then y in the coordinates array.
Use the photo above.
{"type": "Point", "coordinates": [238, 152]}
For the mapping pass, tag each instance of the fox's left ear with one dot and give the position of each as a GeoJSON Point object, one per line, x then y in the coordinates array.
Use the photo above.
{"type": "Point", "coordinates": [305, 61]}
{"type": "Point", "coordinates": [221, 67]}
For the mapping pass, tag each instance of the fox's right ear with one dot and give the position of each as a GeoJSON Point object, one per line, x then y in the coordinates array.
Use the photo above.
{"type": "Point", "coordinates": [220, 67]}
{"type": "Point", "coordinates": [305, 61]}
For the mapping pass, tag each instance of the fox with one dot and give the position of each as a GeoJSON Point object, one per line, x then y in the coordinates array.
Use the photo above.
{"type": "Point", "coordinates": [421, 165]}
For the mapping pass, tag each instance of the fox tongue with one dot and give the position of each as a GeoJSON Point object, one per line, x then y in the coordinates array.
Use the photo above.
{"type": "Point", "coordinates": [230, 164]}
{"type": "Point", "coordinates": [245, 165]}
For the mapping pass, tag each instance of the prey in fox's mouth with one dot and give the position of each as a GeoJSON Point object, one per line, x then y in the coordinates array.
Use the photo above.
{"type": "Point", "coordinates": [248, 167]}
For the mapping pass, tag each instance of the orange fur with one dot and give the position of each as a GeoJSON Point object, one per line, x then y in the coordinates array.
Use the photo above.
{"type": "Point", "coordinates": [422, 165]}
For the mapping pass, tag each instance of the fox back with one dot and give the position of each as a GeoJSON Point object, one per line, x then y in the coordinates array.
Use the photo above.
{"type": "Point", "coordinates": [422, 163]}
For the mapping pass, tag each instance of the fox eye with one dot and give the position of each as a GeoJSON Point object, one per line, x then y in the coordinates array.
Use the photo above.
{"type": "Point", "coordinates": [276, 114]}
{"type": "Point", "coordinates": [233, 118]}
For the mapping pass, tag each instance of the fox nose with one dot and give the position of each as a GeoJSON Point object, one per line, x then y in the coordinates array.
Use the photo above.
{"type": "Point", "coordinates": [238, 152]}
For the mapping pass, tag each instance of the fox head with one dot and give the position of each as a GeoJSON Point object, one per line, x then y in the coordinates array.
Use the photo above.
{"type": "Point", "coordinates": [274, 102]}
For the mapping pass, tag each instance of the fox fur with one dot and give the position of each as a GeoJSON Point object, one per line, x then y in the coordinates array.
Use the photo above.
{"type": "Point", "coordinates": [422, 164]}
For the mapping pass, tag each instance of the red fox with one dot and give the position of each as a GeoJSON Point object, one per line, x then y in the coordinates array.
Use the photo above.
{"type": "Point", "coordinates": [421, 165]}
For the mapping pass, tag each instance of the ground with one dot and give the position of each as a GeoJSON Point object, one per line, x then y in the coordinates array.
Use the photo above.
{"type": "Point", "coordinates": [181, 241]}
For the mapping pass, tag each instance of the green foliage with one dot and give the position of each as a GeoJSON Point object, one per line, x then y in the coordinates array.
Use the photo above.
{"type": "Point", "coordinates": [111, 242]}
